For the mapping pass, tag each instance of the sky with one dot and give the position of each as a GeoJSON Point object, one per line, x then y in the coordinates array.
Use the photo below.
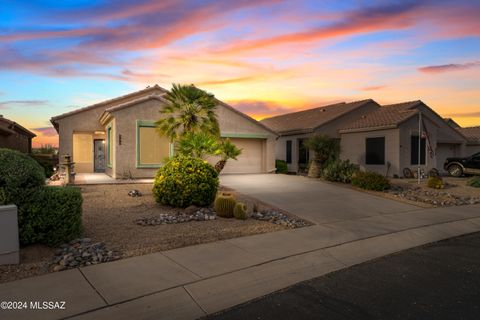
{"type": "Point", "coordinates": [264, 57]}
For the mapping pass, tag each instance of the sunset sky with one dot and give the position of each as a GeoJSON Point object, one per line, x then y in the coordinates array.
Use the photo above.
{"type": "Point", "coordinates": [264, 57]}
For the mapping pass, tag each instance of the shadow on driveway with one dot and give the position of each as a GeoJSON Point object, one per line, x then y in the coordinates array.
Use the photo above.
{"type": "Point", "coordinates": [436, 281]}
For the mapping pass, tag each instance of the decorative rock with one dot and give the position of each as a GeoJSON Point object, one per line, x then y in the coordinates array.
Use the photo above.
{"type": "Point", "coordinates": [279, 218]}
{"type": "Point", "coordinates": [202, 214]}
{"type": "Point", "coordinates": [81, 252]}
{"type": "Point", "coordinates": [435, 198]}
{"type": "Point", "coordinates": [134, 193]}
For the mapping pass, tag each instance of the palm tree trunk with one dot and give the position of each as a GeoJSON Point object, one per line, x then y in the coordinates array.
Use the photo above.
{"type": "Point", "coordinates": [220, 165]}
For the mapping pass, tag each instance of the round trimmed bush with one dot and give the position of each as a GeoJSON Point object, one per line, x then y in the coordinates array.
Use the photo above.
{"type": "Point", "coordinates": [370, 180]}
{"type": "Point", "coordinates": [19, 171]}
{"type": "Point", "coordinates": [435, 183]}
{"type": "Point", "coordinates": [185, 181]}
{"type": "Point", "coordinates": [281, 166]}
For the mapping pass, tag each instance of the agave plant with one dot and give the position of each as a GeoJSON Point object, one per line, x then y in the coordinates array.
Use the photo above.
{"type": "Point", "coordinates": [227, 150]}
{"type": "Point", "coordinates": [198, 145]}
{"type": "Point", "coordinates": [189, 109]}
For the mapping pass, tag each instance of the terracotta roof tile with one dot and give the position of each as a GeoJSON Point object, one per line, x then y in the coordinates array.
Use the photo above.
{"type": "Point", "coordinates": [385, 116]}
{"type": "Point", "coordinates": [308, 120]}
{"type": "Point", "coordinates": [471, 133]}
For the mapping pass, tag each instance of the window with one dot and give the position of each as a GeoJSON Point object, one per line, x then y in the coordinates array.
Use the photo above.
{"type": "Point", "coordinates": [414, 150]}
{"type": "Point", "coordinates": [303, 152]}
{"type": "Point", "coordinates": [289, 151]}
{"type": "Point", "coordinates": [109, 146]}
{"type": "Point", "coordinates": [152, 148]}
{"type": "Point", "coordinates": [375, 150]}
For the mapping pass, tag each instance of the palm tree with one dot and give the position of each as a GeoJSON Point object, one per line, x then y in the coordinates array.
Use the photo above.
{"type": "Point", "coordinates": [189, 109]}
{"type": "Point", "coordinates": [227, 151]}
{"type": "Point", "coordinates": [198, 145]}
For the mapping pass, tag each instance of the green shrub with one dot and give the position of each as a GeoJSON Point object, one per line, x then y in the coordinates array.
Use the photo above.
{"type": "Point", "coordinates": [18, 171]}
{"type": "Point", "coordinates": [225, 204]}
{"type": "Point", "coordinates": [58, 217]}
{"type": "Point", "coordinates": [340, 171]}
{"type": "Point", "coordinates": [45, 162]}
{"type": "Point", "coordinates": [281, 166]}
{"type": "Point", "coordinates": [370, 181]}
{"type": "Point", "coordinates": [49, 215]}
{"type": "Point", "coordinates": [240, 211]}
{"type": "Point", "coordinates": [435, 183]}
{"type": "Point", "coordinates": [185, 181]}
{"type": "Point", "coordinates": [474, 182]}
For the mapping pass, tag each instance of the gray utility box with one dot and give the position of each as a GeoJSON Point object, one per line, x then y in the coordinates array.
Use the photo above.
{"type": "Point", "coordinates": [9, 248]}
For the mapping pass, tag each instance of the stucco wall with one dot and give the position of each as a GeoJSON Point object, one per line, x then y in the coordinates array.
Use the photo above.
{"type": "Point", "coordinates": [86, 121]}
{"type": "Point", "coordinates": [410, 128]}
{"type": "Point", "coordinates": [231, 124]}
{"type": "Point", "coordinates": [331, 129]}
{"type": "Point", "coordinates": [353, 146]}
{"type": "Point", "coordinates": [16, 141]}
{"type": "Point", "coordinates": [471, 149]}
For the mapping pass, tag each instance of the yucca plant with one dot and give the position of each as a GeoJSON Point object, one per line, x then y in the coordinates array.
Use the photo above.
{"type": "Point", "coordinates": [227, 150]}
{"type": "Point", "coordinates": [189, 109]}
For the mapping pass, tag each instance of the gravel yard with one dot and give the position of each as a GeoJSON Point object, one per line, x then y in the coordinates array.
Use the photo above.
{"type": "Point", "coordinates": [456, 192]}
{"type": "Point", "coordinates": [109, 216]}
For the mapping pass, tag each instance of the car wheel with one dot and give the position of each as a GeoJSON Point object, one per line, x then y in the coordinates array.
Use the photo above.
{"type": "Point", "coordinates": [455, 170]}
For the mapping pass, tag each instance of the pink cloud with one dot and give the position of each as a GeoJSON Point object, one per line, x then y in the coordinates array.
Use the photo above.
{"type": "Point", "coordinates": [449, 67]}
{"type": "Point", "coordinates": [372, 88]}
{"type": "Point", "coordinates": [46, 131]}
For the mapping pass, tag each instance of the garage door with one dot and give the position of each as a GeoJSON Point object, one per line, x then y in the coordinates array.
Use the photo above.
{"type": "Point", "coordinates": [251, 159]}
{"type": "Point", "coordinates": [444, 151]}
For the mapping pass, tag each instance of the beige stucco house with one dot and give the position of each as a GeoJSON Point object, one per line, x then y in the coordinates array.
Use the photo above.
{"type": "Point", "coordinates": [389, 137]}
{"type": "Point", "coordinates": [294, 128]}
{"type": "Point", "coordinates": [384, 139]}
{"type": "Point", "coordinates": [473, 139]}
{"type": "Point", "coordinates": [118, 137]}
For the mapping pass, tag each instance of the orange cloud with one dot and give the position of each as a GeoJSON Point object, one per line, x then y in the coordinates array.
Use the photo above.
{"type": "Point", "coordinates": [397, 16]}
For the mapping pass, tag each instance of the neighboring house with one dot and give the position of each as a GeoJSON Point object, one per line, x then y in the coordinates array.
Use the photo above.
{"type": "Point", "coordinates": [375, 137]}
{"type": "Point", "coordinates": [294, 128]}
{"type": "Point", "coordinates": [473, 139]}
{"type": "Point", "coordinates": [14, 136]}
{"type": "Point", "coordinates": [390, 137]}
{"type": "Point", "coordinates": [118, 137]}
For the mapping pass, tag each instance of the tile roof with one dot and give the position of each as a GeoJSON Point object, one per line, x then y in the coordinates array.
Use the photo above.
{"type": "Point", "coordinates": [11, 125]}
{"type": "Point", "coordinates": [310, 119]}
{"type": "Point", "coordinates": [110, 101]}
{"type": "Point", "coordinates": [471, 133]}
{"type": "Point", "coordinates": [385, 116]}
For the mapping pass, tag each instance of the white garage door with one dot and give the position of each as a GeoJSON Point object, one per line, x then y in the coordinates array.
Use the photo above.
{"type": "Point", "coordinates": [251, 159]}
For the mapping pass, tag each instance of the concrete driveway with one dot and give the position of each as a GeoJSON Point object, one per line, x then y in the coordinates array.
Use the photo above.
{"type": "Point", "coordinates": [313, 199]}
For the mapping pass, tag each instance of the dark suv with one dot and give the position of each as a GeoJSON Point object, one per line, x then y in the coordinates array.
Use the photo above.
{"type": "Point", "coordinates": [459, 166]}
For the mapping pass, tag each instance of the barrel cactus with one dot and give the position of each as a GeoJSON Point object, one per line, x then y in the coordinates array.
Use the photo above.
{"type": "Point", "coordinates": [224, 204]}
{"type": "Point", "coordinates": [240, 211]}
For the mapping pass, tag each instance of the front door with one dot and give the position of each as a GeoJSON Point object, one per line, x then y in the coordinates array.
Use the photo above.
{"type": "Point", "coordinates": [303, 155]}
{"type": "Point", "coordinates": [99, 155]}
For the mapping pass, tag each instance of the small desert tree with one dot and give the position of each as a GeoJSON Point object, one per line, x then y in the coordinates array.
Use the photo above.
{"type": "Point", "coordinates": [325, 150]}
{"type": "Point", "coordinates": [227, 150]}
